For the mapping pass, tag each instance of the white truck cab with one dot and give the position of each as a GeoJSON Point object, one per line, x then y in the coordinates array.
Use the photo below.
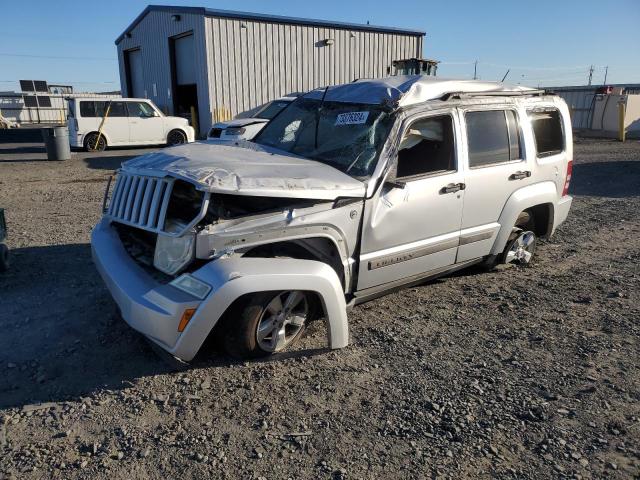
{"type": "Point", "coordinates": [127, 122]}
{"type": "Point", "coordinates": [350, 192]}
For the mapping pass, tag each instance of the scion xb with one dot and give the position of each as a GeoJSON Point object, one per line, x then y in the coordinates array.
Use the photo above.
{"type": "Point", "coordinates": [95, 124]}
{"type": "Point", "coordinates": [349, 193]}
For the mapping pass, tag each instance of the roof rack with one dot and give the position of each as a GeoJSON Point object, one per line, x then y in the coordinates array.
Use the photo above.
{"type": "Point", "coordinates": [494, 93]}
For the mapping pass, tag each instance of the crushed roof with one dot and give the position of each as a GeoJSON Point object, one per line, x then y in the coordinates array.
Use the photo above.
{"type": "Point", "coordinates": [405, 90]}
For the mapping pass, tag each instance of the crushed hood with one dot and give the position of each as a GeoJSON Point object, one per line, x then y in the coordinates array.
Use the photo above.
{"type": "Point", "coordinates": [246, 168]}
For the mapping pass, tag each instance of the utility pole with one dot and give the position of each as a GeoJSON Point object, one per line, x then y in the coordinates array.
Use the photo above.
{"type": "Point", "coordinates": [590, 74]}
{"type": "Point", "coordinates": [606, 71]}
{"type": "Point", "coordinates": [475, 70]}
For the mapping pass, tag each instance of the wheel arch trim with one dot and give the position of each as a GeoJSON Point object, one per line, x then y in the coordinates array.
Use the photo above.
{"type": "Point", "coordinates": [520, 200]}
{"type": "Point", "coordinates": [234, 277]}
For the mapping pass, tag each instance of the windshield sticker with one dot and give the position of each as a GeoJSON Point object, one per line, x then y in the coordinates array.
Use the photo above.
{"type": "Point", "coordinates": [352, 118]}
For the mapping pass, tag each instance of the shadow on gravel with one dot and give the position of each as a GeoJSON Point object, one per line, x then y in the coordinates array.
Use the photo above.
{"type": "Point", "coordinates": [617, 179]}
{"type": "Point", "coordinates": [105, 162]}
{"type": "Point", "coordinates": [62, 337]}
{"type": "Point", "coordinates": [14, 150]}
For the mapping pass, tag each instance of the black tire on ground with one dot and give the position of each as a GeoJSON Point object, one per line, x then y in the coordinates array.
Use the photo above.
{"type": "Point", "coordinates": [90, 143]}
{"type": "Point", "coordinates": [4, 257]}
{"type": "Point", "coordinates": [176, 137]}
{"type": "Point", "coordinates": [241, 325]}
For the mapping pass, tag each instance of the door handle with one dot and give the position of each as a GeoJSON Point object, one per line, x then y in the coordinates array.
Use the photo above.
{"type": "Point", "coordinates": [453, 187]}
{"type": "Point", "coordinates": [520, 175]}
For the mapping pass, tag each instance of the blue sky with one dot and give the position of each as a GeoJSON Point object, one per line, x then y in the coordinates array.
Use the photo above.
{"type": "Point", "coordinates": [542, 42]}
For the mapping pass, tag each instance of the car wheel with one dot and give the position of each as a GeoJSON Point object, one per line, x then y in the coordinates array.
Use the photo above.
{"type": "Point", "coordinates": [520, 250]}
{"type": "Point", "coordinates": [267, 323]}
{"type": "Point", "coordinates": [93, 144]}
{"type": "Point", "coordinates": [4, 257]}
{"type": "Point", "coordinates": [176, 137]}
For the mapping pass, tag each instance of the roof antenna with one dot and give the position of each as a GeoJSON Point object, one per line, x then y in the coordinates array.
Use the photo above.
{"type": "Point", "coordinates": [505, 75]}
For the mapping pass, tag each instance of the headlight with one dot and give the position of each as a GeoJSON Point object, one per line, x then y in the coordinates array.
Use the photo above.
{"type": "Point", "coordinates": [173, 253]}
{"type": "Point", "coordinates": [192, 286]}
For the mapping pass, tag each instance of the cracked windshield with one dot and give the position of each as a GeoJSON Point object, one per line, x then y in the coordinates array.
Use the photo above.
{"type": "Point", "coordinates": [346, 136]}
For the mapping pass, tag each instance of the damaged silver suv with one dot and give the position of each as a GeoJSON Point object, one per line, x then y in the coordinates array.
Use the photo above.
{"type": "Point", "coordinates": [350, 192]}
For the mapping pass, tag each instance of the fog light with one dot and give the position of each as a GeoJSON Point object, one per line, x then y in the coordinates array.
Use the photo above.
{"type": "Point", "coordinates": [186, 318]}
{"type": "Point", "coordinates": [192, 286]}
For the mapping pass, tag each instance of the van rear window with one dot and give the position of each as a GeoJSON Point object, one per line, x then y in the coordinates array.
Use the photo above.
{"type": "Point", "coordinates": [547, 131]}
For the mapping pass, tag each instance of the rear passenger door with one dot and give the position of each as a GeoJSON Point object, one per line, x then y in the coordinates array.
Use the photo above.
{"type": "Point", "coordinates": [496, 167]}
{"type": "Point", "coordinates": [116, 125]}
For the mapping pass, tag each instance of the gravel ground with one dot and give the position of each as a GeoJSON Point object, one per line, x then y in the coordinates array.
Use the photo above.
{"type": "Point", "coordinates": [517, 373]}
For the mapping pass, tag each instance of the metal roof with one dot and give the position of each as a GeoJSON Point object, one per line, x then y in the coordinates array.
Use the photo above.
{"type": "Point", "coordinates": [212, 12]}
{"type": "Point", "coordinates": [408, 90]}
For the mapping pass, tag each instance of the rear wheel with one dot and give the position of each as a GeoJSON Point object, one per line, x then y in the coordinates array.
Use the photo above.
{"type": "Point", "coordinates": [94, 144]}
{"type": "Point", "coordinates": [176, 137]}
{"type": "Point", "coordinates": [266, 323]}
{"type": "Point", "coordinates": [521, 249]}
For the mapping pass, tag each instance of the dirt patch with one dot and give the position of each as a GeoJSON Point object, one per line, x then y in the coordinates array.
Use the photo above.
{"type": "Point", "coordinates": [517, 373]}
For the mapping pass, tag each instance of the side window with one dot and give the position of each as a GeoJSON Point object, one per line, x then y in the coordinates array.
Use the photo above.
{"type": "Point", "coordinates": [547, 131]}
{"type": "Point", "coordinates": [493, 137]}
{"type": "Point", "coordinates": [428, 146]}
{"type": "Point", "coordinates": [140, 109]}
{"type": "Point", "coordinates": [118, 109]}
{"type": "Point", "coordinates": [87, 109]}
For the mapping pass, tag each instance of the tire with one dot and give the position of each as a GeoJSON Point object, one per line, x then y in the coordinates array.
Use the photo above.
{"type": "Point", "coordinates": [176, 137]}
{"type": "Point", "coordinates": [4, 257]}
{"type": "Point", "coordinates": [266, 323]}
{"type": "Point", "coordinates": [90, 143]}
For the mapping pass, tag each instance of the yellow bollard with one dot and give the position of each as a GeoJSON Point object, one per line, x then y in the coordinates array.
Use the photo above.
{"type": "Point", "coordinates": [194, 121]}
{"type": "Point", "coordinates": [621, 115]}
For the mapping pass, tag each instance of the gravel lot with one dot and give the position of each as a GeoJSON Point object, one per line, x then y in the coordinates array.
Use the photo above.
{"type": "Point", "coordinates": [517, 373]}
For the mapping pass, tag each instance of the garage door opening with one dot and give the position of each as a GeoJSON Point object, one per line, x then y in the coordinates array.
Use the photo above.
{"type": "Point", "coordinates": [183, 74]}
{"type": "Point", "coordinates": [133, 72]}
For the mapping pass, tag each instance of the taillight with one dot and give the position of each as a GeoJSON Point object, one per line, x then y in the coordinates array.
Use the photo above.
{"type": "Point", "coordinates": [567, 179]}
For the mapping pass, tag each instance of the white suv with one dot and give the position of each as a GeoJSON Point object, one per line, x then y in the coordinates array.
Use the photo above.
{"type": "Point", "coordinates": [349, 193]}
{"type": "Point", "coordinates": [130, 121]}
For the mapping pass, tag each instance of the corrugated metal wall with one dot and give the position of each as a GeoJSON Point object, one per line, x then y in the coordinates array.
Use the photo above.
{"type": "Point", "coordinates": [253, 62]}
{"type": "Point", "coordinates": [242, 64]}
{"type": "Point", "coordinates": [152, 35]}
{"type": "Point", "coordinates": [580, 100]}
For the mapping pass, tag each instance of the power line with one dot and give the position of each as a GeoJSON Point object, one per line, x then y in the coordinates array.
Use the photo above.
{"type": "Point", "coordinates": [55, 57]}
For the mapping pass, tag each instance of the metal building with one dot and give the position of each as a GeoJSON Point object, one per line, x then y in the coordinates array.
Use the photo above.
{"type": "Point", "coordinates": [225, 63]}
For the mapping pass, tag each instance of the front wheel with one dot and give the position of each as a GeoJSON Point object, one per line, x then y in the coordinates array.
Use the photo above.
{"type": "Point", "coordinates": [176, 137]}
{"type": "Point", "coordinates": [266, 323]}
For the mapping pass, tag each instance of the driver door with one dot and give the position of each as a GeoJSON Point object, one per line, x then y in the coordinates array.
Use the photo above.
{"type": "Point", "coordinates": [413, 228]}
{"type": "Point", "coordinates": [145, 125]}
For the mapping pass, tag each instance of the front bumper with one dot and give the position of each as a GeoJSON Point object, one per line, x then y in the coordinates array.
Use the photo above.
{"type": "Point", "coordinates": [155, 309]}
{"type": "Point", "coordinates": [146, 305]}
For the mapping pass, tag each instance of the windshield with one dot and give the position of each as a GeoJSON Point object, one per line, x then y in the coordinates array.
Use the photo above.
{"type": "Point", "coordinates": [272, 109]}
{"type": "Point", "coordinates": [347, 136]}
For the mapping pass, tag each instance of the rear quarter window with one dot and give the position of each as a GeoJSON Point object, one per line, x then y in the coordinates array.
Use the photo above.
{"type": "Point", "coordinates": [547, 131]}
